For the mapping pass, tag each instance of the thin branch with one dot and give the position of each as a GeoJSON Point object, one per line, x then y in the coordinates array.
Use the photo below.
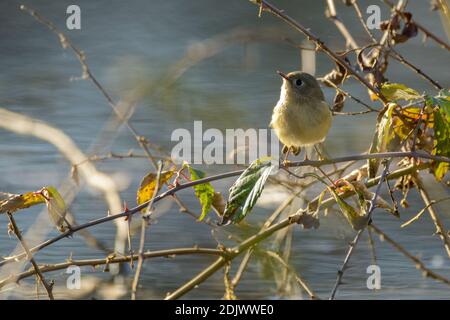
{"type": "Point", "coordinates": [345, 93]}
{"type": "Point", "coordinates": [87, 74]}
{"type": "Point", "coordinates": [265, 6]}
{"type": "Point", "coordinates": [358, 235]}
{"type": "Point", "coordinates": [221, 176]}
{"type": "Point", "coordinates": [397, 56]}
{"type": "Point", "coordinates": [371, 246]}
{"type": "Point", "coordinates": [397, 154]}
{"type": "Point", "coordinates": [111, 260]}
{"type": "Point", "coordinates": [419, 264]}
{"type": "Point", "coordinates": [394, 53]}
{"type": "Point", "coordinates": [123, 214]}
{"type": "Point", "coordinates": [332, 13]}
{"type": "Point", "coordinates": [422, 211]}
{"type": "Point", "coordinates": [244, 263]}
{"type": "Point", "coordinates": [298, 278]}
{"type": "Point", "coordinates": [15, 228]}
{"type": "Point", "coordinates": [361, 19]}
{"type": "Point", "coordinates": [440, 230]}
{"type": "Point", "coordinates": [144, 223]}
{"type": "Point", "coordinates": [263, 234]}
{"type": "Point", "coordinates": [233, 253]}
{"type": "Point", "coordinates": [428, 33]}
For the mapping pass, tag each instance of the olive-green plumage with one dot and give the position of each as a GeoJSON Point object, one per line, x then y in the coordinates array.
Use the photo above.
{"type": "Point", "coordinates": [301, 117]}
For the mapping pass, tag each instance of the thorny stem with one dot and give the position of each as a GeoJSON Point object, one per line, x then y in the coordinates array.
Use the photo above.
{"type": "Point", "coordinates": [350, 41]}
{"type": "Point", "coordinates": [224, 176]}
{"type": "Point", "coordinates": [421, 212]}
{"type": "Point", "coordinates": [263, 234]}
{"type": "Point", "coordinates": [65, 42]}
{"type": "Point", "coordinates": [265, 6]}
{"type": "Point", "coordinates": [16, 230]}
{"type": "Point", "coordinates": [419, 264]}
{"type": "Point", "coordinates": [142, 240]}
{"type": "Point", "coordinates": [440, 229]}
{"type": "Point", "coordinates": [428, 33]}
{"type": "Point", "coordinates": [268, 229]}
{"type": "Point", "coordinates": [111, 260]}
{"type": "Point", "coordinates": [358, 235]}
{"type": "Point", "coordinates": [396, 55]}
{"type": "Point", "coordinates": [361, 19]}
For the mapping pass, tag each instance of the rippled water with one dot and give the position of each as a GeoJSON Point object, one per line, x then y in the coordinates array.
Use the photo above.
{"type": "Point", "coordinates": [130, 45]}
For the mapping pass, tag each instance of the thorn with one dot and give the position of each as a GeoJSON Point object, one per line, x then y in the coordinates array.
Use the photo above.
{"type": "Point", "coordinates": [126, 210]}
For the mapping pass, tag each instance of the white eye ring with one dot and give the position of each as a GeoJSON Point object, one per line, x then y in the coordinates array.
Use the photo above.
{"type": "Point", "coordinates": [298, 82]}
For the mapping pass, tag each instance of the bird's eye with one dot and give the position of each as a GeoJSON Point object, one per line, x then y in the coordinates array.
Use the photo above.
{"type": "Point", "coordinates": [298, 82]}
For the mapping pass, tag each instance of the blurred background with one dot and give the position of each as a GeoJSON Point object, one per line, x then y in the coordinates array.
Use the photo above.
{"type": "Point", "coordinates": [179, 62]}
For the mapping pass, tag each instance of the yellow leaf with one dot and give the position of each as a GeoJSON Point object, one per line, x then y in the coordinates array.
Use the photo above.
{"type": "Point", "coordinates": [382, 138]}
{"type": "Point", "coordinates": [148, 185]}
{"type": "Point", "coordinates": [12, 202]}
{"type": "Point", "coordinates": [413, 113]}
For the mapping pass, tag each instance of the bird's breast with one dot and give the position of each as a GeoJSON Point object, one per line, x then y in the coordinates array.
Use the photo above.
{"type": "Point", "coordinates": [301, 124]}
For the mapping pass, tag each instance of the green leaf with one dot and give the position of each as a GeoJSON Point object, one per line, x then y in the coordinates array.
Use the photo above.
{"type": "Point", "coordinates": [441, 134]}
{"type": "Point", "coordinates": [246, 190]}
{"type": "Point", "coordinates": [357, 220]}
{"type": "Point", "coordinates": [442, 101]}
{"type": "Point", "coordinates": [398, 91]}
{"type": "Point", "coordinates": [204, 192]}
{"type": "Point", "coordinates": [382, 138]}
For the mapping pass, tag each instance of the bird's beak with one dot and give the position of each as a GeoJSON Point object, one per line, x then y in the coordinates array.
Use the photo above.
{"type": "Point", "coordinates": [284, 76]}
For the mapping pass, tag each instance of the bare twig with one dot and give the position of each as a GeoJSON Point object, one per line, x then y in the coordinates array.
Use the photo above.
{"type": "Point", "coordinates": [172, 191]}
{"type": "Point", "coordinates": [372, 246]}
{"type": "Point", "coordinates": [332, 13]}
{"type": "Point", "coordinates": [440, 230]}
{"type": "Point", "coordinates": [357, 100]}
{"type": "Point", "coordinates": [419, 264]}
{"type": "Point", "coordinates": [298, 278]}
{"type": "Point", "coordinates": [112, 260]}
{"type": "Point", "coordinates": [265, 6]}
{"type": "Point", "coordinates": [422, 211]}
{"type": "Point", "coordinates": [428, 33]}
{"type": "Point", "coordinates": [397, 56]}
{"type": "Point", "coordinates": [361, 19]}
{"type": "Point", "coordinates": [87, 74]}
{"type": "Point", "coordinates": [263, 234]}
{"type": "Point", "coordinates": [47, 286]}
{"type": "Point", "coordinates": [142, 239]}
{"type": "Point", "coordinates": [358, 235]}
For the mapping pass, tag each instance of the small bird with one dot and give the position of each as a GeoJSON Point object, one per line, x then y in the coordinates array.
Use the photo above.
{"type": "Point", "coordinates": [301, 117]}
